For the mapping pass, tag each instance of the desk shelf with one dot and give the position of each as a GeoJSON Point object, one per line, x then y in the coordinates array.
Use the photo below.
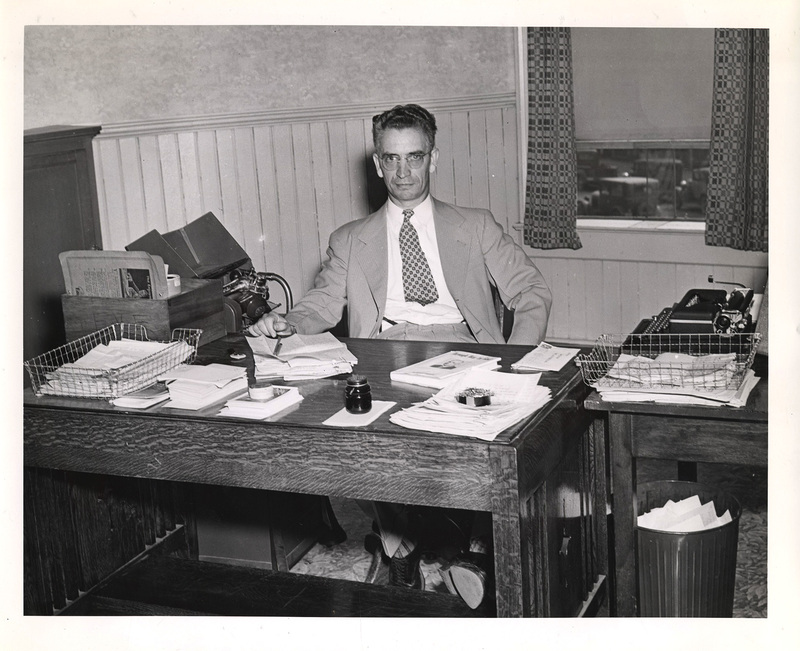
{"type": "Point", "coordinates": [167, 585]}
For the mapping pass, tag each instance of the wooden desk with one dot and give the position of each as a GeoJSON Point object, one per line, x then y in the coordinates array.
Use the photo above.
{"type": "Point", "coordinates": [686, 434]}
{"type": "Point", "coordinates": [537, 479]}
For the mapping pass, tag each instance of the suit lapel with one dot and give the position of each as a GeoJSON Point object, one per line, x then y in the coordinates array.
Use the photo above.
{"type": "Point", "coordinates": [454, 247]}
{"type": "Point", "coordinates": [371, 254]}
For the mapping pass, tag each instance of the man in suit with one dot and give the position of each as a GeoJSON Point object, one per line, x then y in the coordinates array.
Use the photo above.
{"type": "Point", "coordinates": [418, 268]}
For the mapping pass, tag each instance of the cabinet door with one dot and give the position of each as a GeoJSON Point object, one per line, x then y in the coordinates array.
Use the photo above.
{"type": "Point", "coordinates": [60, 214]}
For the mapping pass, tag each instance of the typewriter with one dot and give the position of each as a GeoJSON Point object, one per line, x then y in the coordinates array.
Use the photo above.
{"type": "Point", "coordinates": [705, 311]}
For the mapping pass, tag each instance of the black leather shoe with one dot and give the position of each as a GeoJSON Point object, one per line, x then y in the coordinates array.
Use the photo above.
{"type": "Point", "coordinates": [331, 536]}
{"type": "Point", "coordinates": [405, 571]}
{"type": "Point", "coordinates": [378, 572]}
{"type": "Point", "coordinates": [332, 532]}
{"type": "Point", "coordinates": [372, 543]}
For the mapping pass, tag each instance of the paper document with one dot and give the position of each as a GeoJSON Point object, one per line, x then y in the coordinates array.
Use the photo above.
{"type": "Point", "coordinates": [545, 357]}
{"type": "Point", "coordinates": [217, 374]}
{"type": "Point", "coordinates": [682, 396]}
{"type": "Point", "coordinates": [441, 370]}
{"type": "Point", "coordinates": [513, 397]}
{"type": "Point", "coordinates": [118, 353]}
{"type": "Point", "coordinates": [297, 344]}
{"type": "Point", "coordinates": [344, 418]}
{"type": "Point", "coordinates": [708, 372]}
{"type": "Point", "coordinates": [93, 374]}
{"type": "Point", "coordinates": [280, 399]}
{"type": "Point", "coordinates": [197, 386]}
{"type": "Point", "coordinates": [301, 357]}
{"type": "Point", "coordinates": [144, 398]}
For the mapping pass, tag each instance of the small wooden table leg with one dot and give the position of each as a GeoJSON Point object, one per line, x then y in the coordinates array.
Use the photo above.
{"type": "Point", "coordinates": [506, 531]}
{"type": "Point", "coordinates": [623, 482]}
{"type": "Point", "coordinates": [687, 471]}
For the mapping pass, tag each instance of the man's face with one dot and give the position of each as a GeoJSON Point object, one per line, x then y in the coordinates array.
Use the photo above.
{"type": "Point", "coordinates": [398, 151]}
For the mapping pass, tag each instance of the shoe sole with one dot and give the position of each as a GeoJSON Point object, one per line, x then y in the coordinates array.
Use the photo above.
{"type": "Point", "coordinates": [469, 582]}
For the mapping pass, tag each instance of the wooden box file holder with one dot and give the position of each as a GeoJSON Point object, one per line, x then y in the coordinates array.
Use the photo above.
{"type": "Point", "coordinates": [198, 305]}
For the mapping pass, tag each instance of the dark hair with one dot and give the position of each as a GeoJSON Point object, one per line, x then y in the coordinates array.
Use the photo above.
{"type": "Point", "coordinates": [405, 116]}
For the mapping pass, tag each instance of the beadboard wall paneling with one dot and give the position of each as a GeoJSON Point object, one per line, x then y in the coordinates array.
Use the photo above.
{"type": "Point", "coordinates": [282, 181]}
{"type": "Point", "coordinates": [623, 275]}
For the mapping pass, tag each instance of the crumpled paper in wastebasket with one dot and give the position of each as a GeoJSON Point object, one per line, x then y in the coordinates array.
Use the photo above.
{"type": "Point", "coordinates": [689, 514]}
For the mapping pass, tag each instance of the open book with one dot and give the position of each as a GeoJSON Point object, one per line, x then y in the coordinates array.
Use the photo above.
{"type": "Point", "coordinates": [437, 372]}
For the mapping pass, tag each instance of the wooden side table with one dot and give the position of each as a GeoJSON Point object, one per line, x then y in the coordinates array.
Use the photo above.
{"type": "Point", "coordinates": [686, 434]}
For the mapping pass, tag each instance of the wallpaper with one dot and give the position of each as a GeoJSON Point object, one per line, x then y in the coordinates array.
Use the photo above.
{"type": "Point", "coordinates": [105, 74]}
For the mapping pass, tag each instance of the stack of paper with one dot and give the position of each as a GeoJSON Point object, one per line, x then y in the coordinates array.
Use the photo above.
{"type": "Point", "coordinates": [197, 386]}
{"type": "Point", "coordinates": [513, 397]}
{"type": "Point", "coordinates": [277, 400]}
{"type": "Point", "coordinates": [301, 357]}
{"type": "Point", "coordinates": [706, 372]}
{"type": "Point", "coordinates": [92, 375]}
{"type": "Point", "coordinates": [144, 398]}
{"type": "Point", "coordinates": [674, 379]}
{"type": "Point", "coordinates": [545, 357]}
{"type": "Point", "coordinates": [440, 371]}
{"type": "Point", "coordinates": [687, 515]}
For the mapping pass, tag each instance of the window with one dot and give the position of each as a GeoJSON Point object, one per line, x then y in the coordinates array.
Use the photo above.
{"type": "Point", "coordinates": [642, 121]}
{"type": "Point", "coordinates": [643, 182]}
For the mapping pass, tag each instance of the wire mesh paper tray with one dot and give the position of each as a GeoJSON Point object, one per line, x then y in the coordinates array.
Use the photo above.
{"type": "Point", "coordinates": [701, 362]}
{"type": "Point", "coordinates": [55, 372]}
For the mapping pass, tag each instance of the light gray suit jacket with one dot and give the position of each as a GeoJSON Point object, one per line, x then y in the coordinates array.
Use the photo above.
{"type": "Point", "coordinates": [476, 254]}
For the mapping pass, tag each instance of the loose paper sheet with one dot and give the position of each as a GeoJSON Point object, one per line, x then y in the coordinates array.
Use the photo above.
{"type": "Point", "coordinates": [545, 357]}
{"type": "Point", "coordinates": [344, 418]}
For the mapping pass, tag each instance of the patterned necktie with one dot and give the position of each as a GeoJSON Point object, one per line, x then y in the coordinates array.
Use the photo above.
{"type": "Point", "coordinates": [418, 284]}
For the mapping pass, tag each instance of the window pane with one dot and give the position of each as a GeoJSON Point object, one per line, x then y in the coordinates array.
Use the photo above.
{"type": "Point", "coordinates": [642, 83]}
{"type": "Point", "coordinates": [642, 183]}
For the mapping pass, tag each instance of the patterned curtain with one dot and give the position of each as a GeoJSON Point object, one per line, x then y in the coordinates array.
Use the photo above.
{"type": "Point", "coordinates": [552, 184]}
{"type": "Point", "coordinates": [736, 211]}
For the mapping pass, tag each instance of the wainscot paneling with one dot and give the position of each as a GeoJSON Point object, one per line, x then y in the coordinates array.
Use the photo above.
{"type": "Point", "coordinates": [282, 181]}
{"type": "Point", "coordinates": [625, 273]}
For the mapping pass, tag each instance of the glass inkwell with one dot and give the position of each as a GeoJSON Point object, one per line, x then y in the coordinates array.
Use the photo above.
{"type": "Point", "coordinates": [357, 395]}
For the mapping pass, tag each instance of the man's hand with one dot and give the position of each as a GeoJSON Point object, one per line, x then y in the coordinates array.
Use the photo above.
{"type": "Point", "coordinates": [272, 325]}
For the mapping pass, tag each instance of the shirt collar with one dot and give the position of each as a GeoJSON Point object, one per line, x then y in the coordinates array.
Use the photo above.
{"type": "Point", "coordinates": [423, 212]}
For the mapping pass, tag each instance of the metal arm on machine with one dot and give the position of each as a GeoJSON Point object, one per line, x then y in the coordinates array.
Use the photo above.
{"type": "Point", "coordinates": [287, 291]}
{"type": "Point", "coordinates": [247, 295]}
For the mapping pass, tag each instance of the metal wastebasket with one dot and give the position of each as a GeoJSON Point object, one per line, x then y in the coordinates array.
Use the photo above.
{"type": "Point", "coordinates": [689, 574]}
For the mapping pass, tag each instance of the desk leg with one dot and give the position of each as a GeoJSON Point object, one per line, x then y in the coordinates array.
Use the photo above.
{"type": "Point", "coordinates": [600, 497]}
{"type": "Point", "coordinates": [623, 486]}
{"type": "Point", "coordinates": [506, 531]}
{"type": "Point", "coordinates": [687, 471]}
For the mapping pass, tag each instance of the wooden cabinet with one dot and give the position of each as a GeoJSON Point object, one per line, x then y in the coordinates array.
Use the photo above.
{"type": "Point", "coordinates": [60, 214]}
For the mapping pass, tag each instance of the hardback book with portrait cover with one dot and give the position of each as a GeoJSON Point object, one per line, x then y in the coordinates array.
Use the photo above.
{"type": "Point", "coordinates": [439, 371]}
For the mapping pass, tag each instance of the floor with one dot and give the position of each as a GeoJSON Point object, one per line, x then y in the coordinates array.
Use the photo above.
{"type": "Point", "coordinates": [350, 561]}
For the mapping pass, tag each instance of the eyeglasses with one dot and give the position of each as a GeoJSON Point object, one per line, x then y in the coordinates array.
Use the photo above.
{"type": "Point", "coordinates": [414, 161]}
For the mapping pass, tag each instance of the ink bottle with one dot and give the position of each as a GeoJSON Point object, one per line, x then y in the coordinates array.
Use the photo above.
{"type": "Point", "coordinates": [357, 395]}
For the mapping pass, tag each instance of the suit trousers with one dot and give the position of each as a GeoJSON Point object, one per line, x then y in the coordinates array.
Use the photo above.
{"type": "Point", "coordinates": [457, 332]}
{"type": "Point", "coordinates": [402, 527]}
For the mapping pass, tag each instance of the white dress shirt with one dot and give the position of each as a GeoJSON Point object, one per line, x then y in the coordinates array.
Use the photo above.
{"type": "Point", "coordinates": [444, 310]}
